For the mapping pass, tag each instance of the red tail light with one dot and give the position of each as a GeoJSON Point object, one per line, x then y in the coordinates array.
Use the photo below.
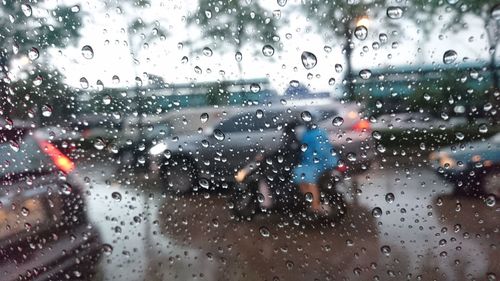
{"type": "Point", "coordinates": [361, 126]}
{"type": "Point", "coordinates": [61, 161]}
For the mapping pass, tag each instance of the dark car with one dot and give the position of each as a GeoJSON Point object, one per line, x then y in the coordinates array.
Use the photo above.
{"type": "Point", "coordinates": [474, 167]}
{"type": "Point", "coordinates": [211, 156]}
{"type": "Point", "coordinates": [44, 230]}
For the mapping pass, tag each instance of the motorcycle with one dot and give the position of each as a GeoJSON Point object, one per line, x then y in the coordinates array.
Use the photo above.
{"type": "Point", "coordinates": [257, 190]}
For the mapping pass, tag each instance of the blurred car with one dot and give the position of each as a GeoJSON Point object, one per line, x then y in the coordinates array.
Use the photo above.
{"type": "Point", "coordinates": [139, 133]}
{"type": "Point", "coordinates": [44, 230]}
{"type": "Point", "coordinates": [474, 167]}
{"type": "Point", "coordinates": [212, 155]}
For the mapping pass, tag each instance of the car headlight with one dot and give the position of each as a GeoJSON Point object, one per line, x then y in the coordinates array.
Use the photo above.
{"type": "Point", "coordinates": [158, 148]}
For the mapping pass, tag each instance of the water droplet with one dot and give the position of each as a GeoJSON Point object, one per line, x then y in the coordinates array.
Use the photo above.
{"type": "Point", "coordinates": [38, 80]}
{"type": "Point", "coordinates": [365, 74]}
{"type": "Point", "coordinates": [107, 249]}
{"type": "Point", "coordinates": [204, 183]}
{"type": "Point", "coordinates": [294, 83]}
{"type": "Point", "coordinates": [15, 48]}
{"type": "Point", "coordinates": [115, 79]}
{"type": "Point", "coordinates": [259, 113]}
{"type": "Point", "coordinates": [306, 116]}
{"type": "Point", "coordinates": [309, 60]}
{"type": "Point", "coordinates": [394, 12]}
{"type": "Point", "coordinates": [389, 197]}
{"type": "Point", "coordinates": [268, 50]}
{"type": "Point", "coordinates": [27, 11]}
{"type": "Point", "coordinates": [386, 250]}
{"type": "Point", "coordinates": [331, 81]}
{"type": "Point", "coordinates": [264, 231]}
{"type": "Point", "coordinates": [14, 145]}
{"type": "Point", "coordinates": [87, 52]}
{"type": "Point", "coordinates": [490, 200]}
{"type": "Point", "coordinates": [184, 59]}
{"type": "Point", "coordinates": [84, 83]}
{"type": "Point", "coordinates": [208, 14]}
{"type": "Point", "coordinates": [46, 110]}
{"type": "Point", "coordinates": [282, 3]}
{"type": "Point", "coordinates": [327, 49]}
{"type": "Point", "coordinates": [198, 70]}
{"type": "Point", "coordinates": [376, 135]}
{"type": "Point", "coordinates": [106, 99]}
{"type": "Point", "coordinates": [207, 52]}
{"type": "Point", "coordinates": [99, 144]}
{"type": "Point", "coordinates": [219, 135]}
{"type": "Point", "coordinates": [254, 88]}
{"type": "Point", "coordinates": [25, 211]}
{"type": "Point", "coordinates": [116, 196]}
{"type": "Point", "coordinates": [483, 128]}
{"type": "Point", "coordinates": [361, 32]}
{"type": "Point", "coordinates": [381, 148]}
{"type": "Point", "coordinates": [337, 121]}
{"type": "Point", "coordinates": [75, 9]}
{"type": "Point", "coordinates": [377, 212]}
{"type": "Point", "coordinates": [33, 53]}
{"type": "Point", "coordinates": [204, 117]}
{"type": "Point", "coordinates": [449, 56]}
{"type": "Point", "coordinates": [338, 68]}
{"type": "Point", "coordinates": [309, 197]}
{"type": "Point", "coordinates": [238, 56]}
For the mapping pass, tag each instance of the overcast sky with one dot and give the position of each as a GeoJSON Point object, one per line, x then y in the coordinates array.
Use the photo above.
{"type": "Point", "coordinates": [104, 30]}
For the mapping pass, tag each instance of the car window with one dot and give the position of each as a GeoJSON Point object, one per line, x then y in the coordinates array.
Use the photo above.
{"type": "Point", "coordinates": [249, 140]}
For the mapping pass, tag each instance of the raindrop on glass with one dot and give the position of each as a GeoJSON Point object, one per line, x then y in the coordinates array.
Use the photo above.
{"type": "Point", "coordinates": [306, 116]}
{"type": "Point", "coordinates": [254, 88]}
{"type": "Point", "coordinates": [483, 128]}
{"type": "Point", "coordinates": [219, 135]}
{"type": "Point", "coordinates": [238, 56]}
{"type": "Point", "coordinates": [27, 11]}
{"type": "Point", "coordinates": [490, 200]}
{"type": "Point", "coordinates": [99, 144]}
{"type": "Point", "coordinates": [449, 56]}
{"type": "Point", "coordinates": [116, 196]}
{"type": "Point", "coordinates": [282, 3]}
{"type": "Point", "coordinates": [389, 197]}
{"type": "Point", "coordinates": [377, 212]}
{"type": "Point", "coordinates": [106, 99]}
{"type": "Point", "coordinates": [46, 110]}
{"type": "Point", "coordinates": [309, 60]}
{"type": "Point", "coordinates": [33, 53]}
{"type": "Point", "coordinates": [386, 250]}
{"type": "Point", "coordinates": [337, 121]}
{"type": "Point", "coordinates": [394, 12]}
{"type": "Point", "coordinates": [207, 52]}
{"type": "Point", "coordinates": [264, 231]}
{"type": "Point", "coordinates": [204, 117]}
{"type": "Point", "coordinates": [84, 83]}
{"type": "Point", "coordinates": [365, 74]}
{"type": "Point", "coordinates": [87, 52]}
{"type": "Point", "coordinates": [361, 32]}
{"type": "Point", "coordinates": [268, 50]}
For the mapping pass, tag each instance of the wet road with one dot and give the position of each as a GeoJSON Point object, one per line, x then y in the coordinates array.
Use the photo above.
{"type": "Point", "coordinates": [424, 233]}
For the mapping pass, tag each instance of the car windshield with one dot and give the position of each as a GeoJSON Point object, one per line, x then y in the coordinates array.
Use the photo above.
{"type": "Point", "coordinates": [249, 140]}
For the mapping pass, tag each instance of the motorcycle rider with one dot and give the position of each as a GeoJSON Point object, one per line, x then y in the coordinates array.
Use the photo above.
{"type": "Point", "coordinates": [317, 157]}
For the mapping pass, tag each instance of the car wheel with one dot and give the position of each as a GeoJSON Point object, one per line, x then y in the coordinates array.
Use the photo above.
{"type": "Point", "coordinates": [179, 176]}
{"type": "Point", "coordinates": [244, 203]}
{"type": "Point", "coordinates": [491, 184]}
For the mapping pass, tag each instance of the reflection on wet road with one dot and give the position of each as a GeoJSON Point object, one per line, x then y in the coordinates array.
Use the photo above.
{"type": "Point", "coordinates": [420, 232]}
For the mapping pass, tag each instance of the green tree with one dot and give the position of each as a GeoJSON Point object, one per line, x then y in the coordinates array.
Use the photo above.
{"type": "Point", "coordinates": [233, 23]}
{"type": "Point", "coordinates": [29, 28]}
{"type": "Point", "coordinates": [341, 20]}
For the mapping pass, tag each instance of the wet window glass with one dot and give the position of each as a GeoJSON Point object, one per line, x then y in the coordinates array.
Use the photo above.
{"type": "Point", "coordinates": [249, 140]}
